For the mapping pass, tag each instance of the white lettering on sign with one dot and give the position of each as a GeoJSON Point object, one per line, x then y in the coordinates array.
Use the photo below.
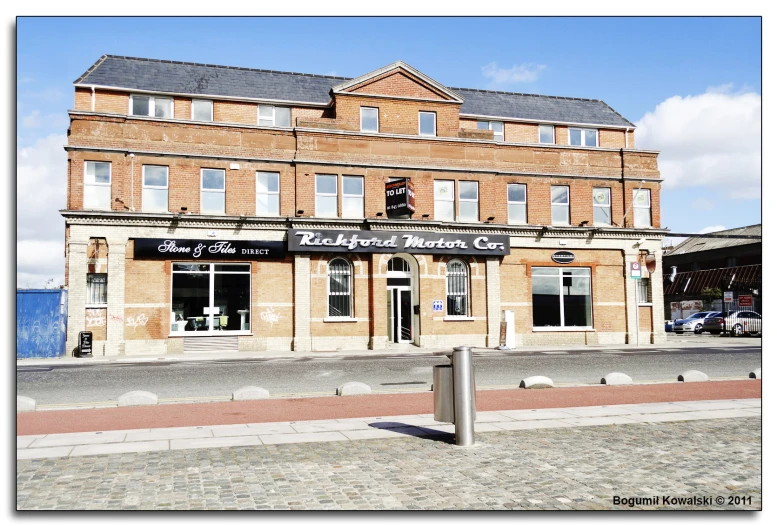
{"type": "Point", "coordinates": [169, 246]}
{"type": "Point", "coordinates": [221, 247]}
{"type": "Point", "coordinates": [311, 239]}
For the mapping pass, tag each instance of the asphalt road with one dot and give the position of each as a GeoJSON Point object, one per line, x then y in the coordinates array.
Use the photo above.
{"type": "Point", "coordinates": [82, 384]}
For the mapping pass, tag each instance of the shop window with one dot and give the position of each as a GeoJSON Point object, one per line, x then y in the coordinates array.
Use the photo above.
{"type": "Point", "coordinates": [457, 288]}
{"type": "Point", "coordinates": [274, 116]}
{"type": "Point", "coordinates": [326, 196]}
{"type": "Point", "coordinates": [497, 127]}
{"type": "Point", "coordinates": [155, 184]}
{"type": "Point", "coordinates": [443, 201]}
{"type": "Point", "coordinates": [561, 297]}
{"type": "Point", "coordinates": [147, 106]}
{"type": "Point", "coordinates": [559, 200]}
{"type": "Point", "coordinates": [211, 297]}
{"type": "Point", "coordinates": [97, 186]}
{"type": "Point", "coordinates": [547, 135]}
{"type": "Point", "coordinates": [516, 204]}
{"type": "Point", "coordinates": [339, 288]}
{"type": "Point", "coordinates": [267, 194]}
{"type": "Point", "coordinates": [353, 196]}
{"type": "Point", "coordinates": [369, 119]}
{"type": "Point", "coordinates": [602, 207]}
{"type": "Point", "coordinates": [427, 123]}
{"type": "Point", "coordinates": [212, 191]}
{"type": "Point", "coordinates": [583, 137]}
{"type": "Point", "coordinates": [642, 208]}
{"type": "Point", "coordinates": [643, 291]}
{"type": "Point", "coordinates": [202, 110]}
{"type": "Point", "coordinates": [97, 289]}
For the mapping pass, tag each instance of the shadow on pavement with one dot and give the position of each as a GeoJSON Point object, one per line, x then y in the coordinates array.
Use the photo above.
{"type": "Point", "coordinates": [416, 431]}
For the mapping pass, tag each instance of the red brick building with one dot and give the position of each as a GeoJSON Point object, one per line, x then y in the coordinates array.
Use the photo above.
{"type": "Point", "coordinates": [212, 207]}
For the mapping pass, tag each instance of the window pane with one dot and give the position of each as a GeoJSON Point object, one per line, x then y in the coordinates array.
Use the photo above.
{"type": "Point", "coordinates": [232, 293]}
{"type": "Point", "coordinates": [546, 309]}
{"type": "Point", "coordinates": [213, 179]}
{"type": "Point", "coordinates": [443, 210]}
{"type": "Point", "coordinates": [468, 211]}
{"type": "Point", "coordinates": [482, 125]}
{"type": "Point", "coordinates": [498, 127]}
{"type": "Point", "coordinates": [560, 215]}
{"type": "Point", "coordinates": [642, 217]}
{"type": "Point", "coordinates": [326, 206]}
{"type": "Point", "coordinates": [443, 190]}
{"type": "Point", "coordinates": [212, 202]}
{"type": "Point", "coordinates": [516, 193]}
{"type": "Point", "coordinates": [577, 302]}
{"type": "Point", "coordinates": [516, 213]}
{"type": "Point", "coordinates": [163, 108]}
{"type": "Point", "coordinates": [96, 288]}
{"type": "Point", "coordinates": [265, 112]}
{"type": "Point", "coordinates": [191, 296]}
{"type": "Point", "coordinates": [267, 205]}
{"type": "Point", "coordinates": [559, 194]}
{"type": "Point", "coordinates": [202, 110]}
{"type": "Point", "coordinates": [98, 173]}
{"type": "Point", "coordinates": [353, 207]}
{"type": "Point", "coordinates": [155, 176]}
{"type": "Point", "coordinates": [326, 184]}
{"type": "Point", "coordinates": [642, 198]}
{"type": "Point", "coordinates": [369, 119]}
{"type": "Point", "coordinates": [427, 124]}
{"type": "Point", "coordinates": [602, 215]}
{"type": "Point", "coordinates": [283, 117]}
{"type": "Point", "coordinates": [140, 105]}
{"type": "Point", "coordinates": [575, 137]}
{"type": "Point", "coordinates": [602, 196]}
{"type": "Point", "coordinates": [590, 137]}
{"type": "Point", "coordinates": [546, 135]}
{"type": "Point", "coordinates": [267, 182]}
{"type": "Point", "coordinates": [154, 200]}
{"type": "Point", "coordinates": [468, 190]}
{"type": "Point", "coordinates": [353, 185]}
{"type": "Point", "coordinates": [190, 267]}
{"type": "Point", "coordinates": [97, 197]}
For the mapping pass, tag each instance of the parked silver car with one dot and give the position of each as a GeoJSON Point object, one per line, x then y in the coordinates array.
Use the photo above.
{"type": "Point", "coordinates": [735, 323]}
{"type": "Point", "coordinates": [693, 322]}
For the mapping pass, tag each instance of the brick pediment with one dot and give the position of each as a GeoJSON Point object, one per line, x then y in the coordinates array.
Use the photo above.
{"type": "Point", "coordinates": [401, 81]}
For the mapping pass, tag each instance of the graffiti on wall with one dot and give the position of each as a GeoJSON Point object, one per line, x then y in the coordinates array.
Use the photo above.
{"type": "Point", "coordinates": [270, 316]}
{"type": "Point", "coordinates": [95, 318]}
{"type": "Point", "coordinates": [136, 321]}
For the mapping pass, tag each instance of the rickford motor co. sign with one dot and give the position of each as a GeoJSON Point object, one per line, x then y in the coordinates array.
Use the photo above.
{"type": "Point", "coordinates": [397, 241]}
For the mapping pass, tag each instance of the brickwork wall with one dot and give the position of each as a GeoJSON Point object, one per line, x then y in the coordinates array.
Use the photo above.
{"type": "Point", "coordinates": [399, 84]}
{"type": "Point", "coordinates": [612, 139]}
{"type": "Point", "coordinates": [272, 299]}
{"type": "Point", "coordinates": [319, 300]}
{"type": "Point", "coordinates": [183, 108]}
{"type": "Point", "coordinates": [83, 99]}
{"type": "Point", "coordinates": [235, 111]}
{"type": "Point", "coordinates": [111, 102]}
{"type": "Point", "coordinates": [397, 116]}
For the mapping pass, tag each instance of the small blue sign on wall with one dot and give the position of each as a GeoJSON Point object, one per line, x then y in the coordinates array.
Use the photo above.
{"type": "Point", "coordinates": [437, 306]}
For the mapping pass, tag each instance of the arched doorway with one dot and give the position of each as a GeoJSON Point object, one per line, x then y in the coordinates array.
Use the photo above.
{"type": "Point", "coordinates": [401, 298]}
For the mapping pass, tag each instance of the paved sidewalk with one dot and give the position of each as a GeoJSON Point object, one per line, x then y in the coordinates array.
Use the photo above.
{"type": "Point", "coordinates": [350, 429]}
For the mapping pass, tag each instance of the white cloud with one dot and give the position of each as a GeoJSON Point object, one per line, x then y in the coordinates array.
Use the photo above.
{"type": "Point", "coordinates": [513, 75]}
{"type": "Point", "coordinates": [712, 139]}
{"type": "Point", "coordinates": [41, 180]}
{"type": "Point", "coordinates": [32, 120]}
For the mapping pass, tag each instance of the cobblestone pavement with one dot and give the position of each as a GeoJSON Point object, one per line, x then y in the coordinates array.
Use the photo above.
{"type": "Point", "coordinates": [562, 468]}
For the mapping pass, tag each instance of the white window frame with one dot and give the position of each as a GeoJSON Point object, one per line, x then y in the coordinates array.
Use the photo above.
{"type": "Point", "coordinates": [644, 294]}
{"type": "Point", "coordinates": [563, 326]}
{"type": "Point", "coordinates": [524, 203]}
{"type": "Point", "coordinates": [582, 137]}
{"type": "Point", "coordinates": [608, 206]}
{"type": "Point", "coordinates": [349, 293]}
{"type": "Point", "coordinates": [211, 190]}
{"type": "Point", "coordinates": [460, 199]}
{"type": "Point", "coordinates": [152, 105]}
{"type": "Point", "coordinates": [211, 110]}
{"type": "Point", "coordinates": [435, 124]}
{"type": "Point", "coordinates": [277, 194]}
{"type": "Point", "coordinates": [361, 119]}
{"type": "Point", "coordinates": [566, 205]}
{"type": "Point", "coordinates": [337, 204]}
{"type": "Point", "coordinates": [259, 118]}
{"type": "Point", "coordinates": [352, 196]}
{"type": "Point", "coordinates": [108, 184]}
{"type": "Point", "coordinates": [452, 199]}
{"type": "Point", "coordinates": [490, 125]}
{"type": "Point", "coordinates": [466, 292]}
{"type": "Point", "coordinates": [145, 186]}
{"type": "Point", "coordinates": [635, 206]}
{"type": "Point", "coordinates": [552, 131]}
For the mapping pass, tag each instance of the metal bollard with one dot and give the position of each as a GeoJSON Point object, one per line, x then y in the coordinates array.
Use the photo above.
{"type": "Point", "coordinates": [463, 396]}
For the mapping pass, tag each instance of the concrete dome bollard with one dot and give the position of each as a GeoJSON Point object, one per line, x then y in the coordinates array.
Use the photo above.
{"type": "Point", "coordinates": [756, 374]}
{"type": "Point", "coordinates": [138, 398]}
{"type": "Point", "coordinates": [693, 376]}
{"type": "Point", "coordinates": [24, 403]}
{"type": "Point", "coordinates": [353, 388]}
{"type": "Point", "coordinates": [251, 392]}
{"type": "Point", "coordinates": [617, 379]}
{"type": "Point", "coordinates": [536, 382]}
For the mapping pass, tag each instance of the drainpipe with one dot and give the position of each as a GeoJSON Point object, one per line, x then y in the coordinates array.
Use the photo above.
{"type": "Point", "coordinates": [92, 98]}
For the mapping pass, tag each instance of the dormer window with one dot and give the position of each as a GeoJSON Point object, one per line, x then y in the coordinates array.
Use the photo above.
{"type": "Point", "coordinates": [369, 120]}
{"type": "Point", "coordinates": [497, 126]}
{"type": "Point", "coordinates": [150, 106]}
{"type": "Point", "coordinates": [274, 116]}
{"type": "Point", "coordinates": [583, 137]}
{"type": "Point", "coordinates": [427, 123]}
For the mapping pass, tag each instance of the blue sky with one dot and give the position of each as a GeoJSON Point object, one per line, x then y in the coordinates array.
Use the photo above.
{"type": "Point", "coordinates": [692, 85]}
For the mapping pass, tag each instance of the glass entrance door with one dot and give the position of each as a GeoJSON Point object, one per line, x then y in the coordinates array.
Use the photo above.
{"type": "Point", "coordinates": [400, 315]}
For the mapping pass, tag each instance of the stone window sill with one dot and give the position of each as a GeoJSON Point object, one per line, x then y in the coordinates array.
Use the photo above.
{"type": "Point", "coordinates": [340, 320]}
{"type": "Point", "coordinates": [458, 318]}
{"type": "Point", "coordinates": [563, 329]}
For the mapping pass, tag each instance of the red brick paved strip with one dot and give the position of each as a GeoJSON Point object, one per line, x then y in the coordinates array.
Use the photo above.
{"type": "Point", "coordinates": [300, 409]}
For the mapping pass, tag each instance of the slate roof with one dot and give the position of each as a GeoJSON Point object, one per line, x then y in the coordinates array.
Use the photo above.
{"type": "Point", "coordinates": [166, 76]}
{"type": "Point", "coordinates": [699, 244]}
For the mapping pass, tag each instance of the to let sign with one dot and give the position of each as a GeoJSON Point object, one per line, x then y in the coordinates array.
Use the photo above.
{"type": "Point", "coordinates": [400, 198]}
{"type": "Point", "coordinates": [745, 301]}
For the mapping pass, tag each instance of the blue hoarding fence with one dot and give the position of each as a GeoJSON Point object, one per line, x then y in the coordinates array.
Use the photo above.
{"type": "Point", "coordinates": [41, 323]}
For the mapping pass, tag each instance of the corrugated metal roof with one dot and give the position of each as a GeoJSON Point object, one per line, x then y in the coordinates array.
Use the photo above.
{"type": "Point", "coordinates": [699, 244]}
{"type": "Point", "coordinates": [167, 76]}
{"type": "Point", "coordinates": [731, 278]}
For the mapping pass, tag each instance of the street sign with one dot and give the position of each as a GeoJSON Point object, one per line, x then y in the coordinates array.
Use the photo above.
{"type": "Point", "coordinates": [745, 301]}
{"type": "Point", "coordinates": [728, 296]}
{"type": "Point", "coordinates": [636, 270]}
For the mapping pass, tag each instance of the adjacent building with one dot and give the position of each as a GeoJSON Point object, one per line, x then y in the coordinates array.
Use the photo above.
{"type": "Point", "coordinates": [223, 208]}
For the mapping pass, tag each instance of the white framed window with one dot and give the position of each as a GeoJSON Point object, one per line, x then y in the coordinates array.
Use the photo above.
{"type": "Point", "coordinates": [547, 134]}
{"type": "Point", "coordinates": [561, 297]}
{"type": "Point", "coordinates": [559, 201]}
{"type": "Point", "coordinates": [468, 201]}
{"type": "Point", "coordinates": [642, 208]}
{"type": "Point", "coordinates": [369, 119]}
{"type": "Point", "coordinates": [457, 288]}
{"type": "Point", "coordinates": [155, 186]}
{"type": "Point", "coordinates": [444, 201]}
{"type": "Point", "coordinates": [151, 106]}
{"type": "Point", "coordinates": [497, 127]}
{"type": "Point", "coordinates": [643, 291]}
{"type": "Point", "coordinates": [339, 288]}
{"type": "Point", "coordinates": [274, 116]}
{"type": "Point", "coordinates": [97, 289]}
{"type": "Point", "coordinates": [212, 191]}
{"type": "Point", "coordinates": [202, 110]}
{"type": "Point", "coordinates": [97, 185]}
{"type": "Point", "coordinates": [268, 194]}
{"type": "Point", "coordinates": [326, 195]}
{"type": "Point", "coordinates": [353, 196]}
{"type": "Point", "coordinates": [602, 207]}
{"type": "Point", "coordinates": [516, 204]}
{"type": "Point", "coordinates": [583, 137]}
{"type": "Point", "coordinates": [427, 123]}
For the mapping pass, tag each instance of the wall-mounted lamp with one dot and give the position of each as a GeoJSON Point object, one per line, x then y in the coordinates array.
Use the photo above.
{"type": "Point", "coordinates": [425, 216]}
{"type": "Point", "coordinates": [379, 214]}
{"type": "Point", "coordinates": [300, 212]}
{"type": "Point", "coordinates": [490, 219]}
{"type": "Point", "coordinates": [184, 209]}
{"type": "Point", "coordinates": [583, 223]}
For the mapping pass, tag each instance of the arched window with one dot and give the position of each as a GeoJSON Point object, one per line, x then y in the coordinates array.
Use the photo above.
{"type": "Point", "coordinates": [340, 289]}
{"type": "Point", "coordinates": [457, 279]}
